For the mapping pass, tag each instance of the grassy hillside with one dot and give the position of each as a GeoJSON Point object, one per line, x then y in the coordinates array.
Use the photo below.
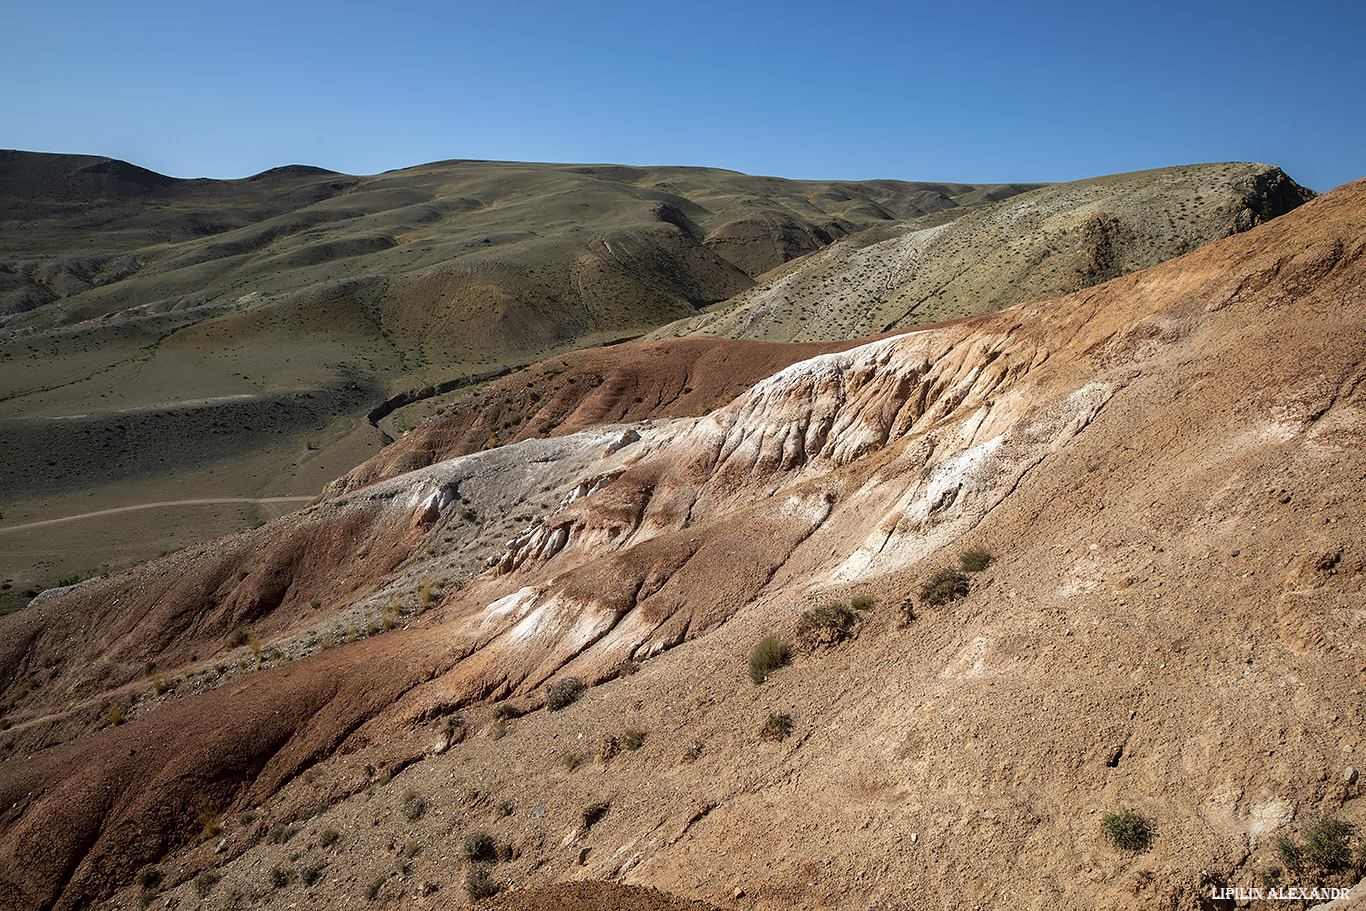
{"type": "Point", "coordinates": [1031, 246]}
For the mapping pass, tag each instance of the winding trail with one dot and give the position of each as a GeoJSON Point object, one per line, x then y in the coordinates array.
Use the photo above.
{"type": "Point", "coordinates": [165, 503]}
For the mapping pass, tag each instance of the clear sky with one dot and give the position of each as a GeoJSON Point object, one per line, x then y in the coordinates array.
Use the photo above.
{"type": "Point", "coordinates": [948, 91]}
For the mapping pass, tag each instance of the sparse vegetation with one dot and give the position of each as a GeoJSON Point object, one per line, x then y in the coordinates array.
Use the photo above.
{"type": "Point", "coordinates": [563, 692]}
{"type": "Point", "coordinates": [204, 882]}
{"type": "Point", "coordinates": [1127, 830]}
{"type": "Point", "coordinates": [313, 872]}
{"type": "Point", "coordinates": [372, 890]}
{"type": "Point", "coordinates": [477, 846]}
{"type": "Point", "coordinates": [414, 808]}
{"type": "Point", "coordinates": [777, 727]}
{"type": "Point", "coordinates": [770, 654]}
{"type": "Point", "coordinates": [862, 603]}
{"type": "Point", "coordinates": [328, 837]}
{"type": "Point", "coordinates": [281, 834]}
{"type": "Point", "coordinates": [281, 876]}
{"type": "Point", "coordinates": [633, 739]}
{"type": "Point", "coordinates": [825, 626]}
{"type": "Point", "coordinates": [1323, 845]}
{"type": "Point", "coordinates": [209, 825]}
{"type": "Point", "coordinates": [149, 877]}
{"type": "Point", "coordinates": [480, 884]}
{"type": "Point", "coordinates": [944, 586]}
{"type": "Point", "coordinates": [974, 559]}
{"type": "Point", "coordinates": [571, 761]}
{"type": "Point", "coordinates": [594, 812]}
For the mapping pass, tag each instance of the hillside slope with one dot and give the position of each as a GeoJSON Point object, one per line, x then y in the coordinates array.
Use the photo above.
{"type": "Point", "coordinates": [1167, 468]}
{"type": "Point", "coordinates": [1040, 244]}
{"type": "Point", "coordinates": [166, 340]}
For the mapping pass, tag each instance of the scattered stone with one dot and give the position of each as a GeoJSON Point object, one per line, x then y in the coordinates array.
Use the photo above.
{"type": "Point", "coordinates": [1349, 775]}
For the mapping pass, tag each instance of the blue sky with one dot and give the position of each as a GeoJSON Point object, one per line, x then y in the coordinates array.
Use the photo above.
{"type": "Point", "coordinates": [971, 92]}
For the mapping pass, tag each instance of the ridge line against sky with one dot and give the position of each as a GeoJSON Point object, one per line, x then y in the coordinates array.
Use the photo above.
{"type": "Point", "coordinates": [976, 92]}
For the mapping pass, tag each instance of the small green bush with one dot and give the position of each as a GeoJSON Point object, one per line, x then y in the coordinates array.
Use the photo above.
{"type": "Point", "coordinates": [313, 872]}
{"type": "Point", "coordinates": [414, 809]}
{"type": "Point", "coordinates": [777, 727]}
{"type": "Point", "coordinates": [1128, 830]}
{"type": "Point", "coordinates": [563, 692]}
{"type": "Point", "coordinates": [944, 586]}
{"type": "Point", "coordinates": [862, 603]}
{"type": "Point", "coordinates": [974, 559]}
{"type": "Point", "coordinates": [1324, 845]}
{"type": "Point", "coordinates": [281, 877]}
{"type": "Point", "coordinates": [827, 625]}
{"type": "Point", "coordinates": [770, 654]}
{"type": "Point", "coordinates": [1291, 853]}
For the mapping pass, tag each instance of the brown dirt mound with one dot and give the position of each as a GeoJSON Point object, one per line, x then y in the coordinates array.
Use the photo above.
{"type": "Point", "coordinates": [591, 896]}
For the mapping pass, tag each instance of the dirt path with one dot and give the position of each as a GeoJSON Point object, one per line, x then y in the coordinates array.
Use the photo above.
{"type": "Point", "coordinates": [163, 504]}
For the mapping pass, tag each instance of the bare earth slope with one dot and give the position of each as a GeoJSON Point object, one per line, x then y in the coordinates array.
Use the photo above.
{"type": "Point", "coordinates": [1167, 467]}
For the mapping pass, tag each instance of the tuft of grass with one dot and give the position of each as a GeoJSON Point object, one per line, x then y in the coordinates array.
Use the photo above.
{"type": "Point", "coordinates": [372, 890]}
{"type": "Point", "coordinates": [563, 692]}
{"type": "Point", "coordinates": [477, 846]}
{"type": "Point", "coordinates": [862, 603]}
{"type": "Point", "coordinates": [236, 637]}
{"type": "Point", "coordinates": [149, 877]}
{"type": "Point", "coordinates": [633, 739]}
{"type": "Point", "coordinates": [768, 655]}
{"type": "Point", "coordinates": [479, 884]}
{"type": "Point", "coordinates": [313, 872]}
{"type": "Point", "coordinates": [974, 559]}
{"type": "Point", "coordinates": [328, 837]}
{"type": "Point", "coordinates": [281, 834]}
{"type": "Point", "coordinates": [209, 825]}
{"type": "Point", "coordinates": [414, 809]}
{"type": "Point", "coordinates": [777, 727]}
{"type": "Point", "coordinates": [281, 877]}
{"type": "Point", "coordinates": [1128, 830]}
{"type": "Point", "coordinates": [944, 586]}
{"type": "Point", "coordinates": [571, 761]}
{"type": "Point", "coordinates": [204, 882]}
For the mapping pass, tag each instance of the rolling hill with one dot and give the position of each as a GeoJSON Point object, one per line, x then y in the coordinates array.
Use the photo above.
{"type": "Point", "coordinates": [1156, 481]}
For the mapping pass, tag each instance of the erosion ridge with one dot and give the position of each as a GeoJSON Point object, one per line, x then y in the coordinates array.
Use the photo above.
{"type": "Point", "coordinates": [1167, 467]}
